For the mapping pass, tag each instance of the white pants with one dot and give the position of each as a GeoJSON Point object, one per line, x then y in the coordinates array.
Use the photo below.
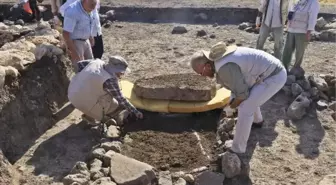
{"type": "Point", "coordinates": [249, 110]}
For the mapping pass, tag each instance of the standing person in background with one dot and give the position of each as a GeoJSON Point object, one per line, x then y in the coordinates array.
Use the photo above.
{"type": "Point", "coordinates": [273, 14]}
{"type": "Point", "coordinates": [65, 4]}
{"type": "Point", "coordinates": [302, 17]}
{"type": "Point", "coordinates": [55, 9]}
{"type": "Point", "coordinates": [77, 30]}
{"type": "Point", "coordinates": [98, 47]}
{"type": "Point", "coordinates": [36, 14]}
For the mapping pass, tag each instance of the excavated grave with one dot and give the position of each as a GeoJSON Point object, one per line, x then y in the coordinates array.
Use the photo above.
{"type": "Point", "coordinates": [180, 87]}
{"type": "Point", "coordinates": [169, 141]}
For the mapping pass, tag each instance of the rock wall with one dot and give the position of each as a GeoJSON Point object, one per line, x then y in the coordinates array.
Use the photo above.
{"type": "Point", "coordinates": [27, 104]}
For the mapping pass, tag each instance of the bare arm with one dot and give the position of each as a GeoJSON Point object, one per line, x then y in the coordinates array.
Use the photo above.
{"type": "Point", "coordinates": [71, 46]}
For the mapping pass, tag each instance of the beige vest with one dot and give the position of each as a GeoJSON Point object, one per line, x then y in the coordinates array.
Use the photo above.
{"type": "Point", "coordinates": [255, 65]}
{"type": "Point", "coordinates": [86, 91]}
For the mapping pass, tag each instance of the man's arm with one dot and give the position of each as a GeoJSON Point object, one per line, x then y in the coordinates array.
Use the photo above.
{"type": "Point", "coordinates": [313, 13]}
{"type": "Point", "coordinates": [68, 27]}
{"type": "Point", "coordinates": [112, 87]}
{"type": "Point", "coordinates": [232, 77]}
{"type": "Point", "coordinates": [54, 8]}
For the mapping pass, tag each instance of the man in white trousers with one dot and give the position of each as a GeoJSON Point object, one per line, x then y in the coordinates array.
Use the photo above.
{"type": "Point", "coordinates": [273, 14]}
{"type": "Point", "coordinates": [252, 75]}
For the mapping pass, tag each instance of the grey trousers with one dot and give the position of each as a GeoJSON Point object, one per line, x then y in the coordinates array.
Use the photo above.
{"type": "Point", "coordinates": [84, 51]}
{"type": "Point", "coordinates": [278, 39]}
{"type": "Point", "coordinates": [297, 42]}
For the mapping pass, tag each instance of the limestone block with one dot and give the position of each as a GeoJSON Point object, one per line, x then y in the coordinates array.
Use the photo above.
{"type": "Point", "coordinates": [16, 58]}
{"type": "Point", "coordinates": [180, 87]}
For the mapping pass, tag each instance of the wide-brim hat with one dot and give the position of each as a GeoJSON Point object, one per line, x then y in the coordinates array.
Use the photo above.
{"type": "Point", "coordinates": [116, 64]}
{"type": "Point", "coordinates": [219, 51]}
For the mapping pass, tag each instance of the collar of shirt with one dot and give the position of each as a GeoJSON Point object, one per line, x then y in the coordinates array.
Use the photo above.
{"type": "Point", "coordinates": [82, 8]}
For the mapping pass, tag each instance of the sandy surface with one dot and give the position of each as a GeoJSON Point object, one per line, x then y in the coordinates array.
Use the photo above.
{"type": "Point", "coordinates": [283, 152]}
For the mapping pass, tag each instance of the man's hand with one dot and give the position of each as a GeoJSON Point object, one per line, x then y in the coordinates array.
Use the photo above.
{"type": "Point", "coordinates": [92, 41]}
{"type": "Point", "coordinates": [139, 115]}
{"type": "Point", "coordinates": [75, 57]}
{"type": "Point", "coordinates": [235, 103]}
{"type": "Point", "coordinates": [308, 35]}
{"type": "Point", "coordinates": [257, 23]}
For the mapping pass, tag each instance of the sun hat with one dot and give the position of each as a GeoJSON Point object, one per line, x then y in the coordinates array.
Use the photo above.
{"type": "Point", "coordinates": [116, 64]}
{"type": "Point", "coordinates": [219, 51]}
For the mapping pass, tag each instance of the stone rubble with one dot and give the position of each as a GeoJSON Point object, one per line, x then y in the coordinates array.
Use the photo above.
{"type": "Point", "coordinates": [306, 90]}
{"type": "Point", "coordinates": [231, 165]}
{"type": "Point", "coordinates": [179, 30]}
{"type": "Point", "coordinates": [165, 178]}
{"type": "Point", "coordinates": [180, 181]}
{"type": "Point", "coordinates": [209, 177]}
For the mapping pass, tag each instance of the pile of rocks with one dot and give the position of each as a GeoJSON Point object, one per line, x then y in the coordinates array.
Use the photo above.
{"type": "Point", "coordinates": [248, 27]}
{"type": "Point", "coordinates": [23, 45]}
{"type": "Point", "coordinates": [325, 31]}
{"type": "Point", "coordinates": [308, 90]}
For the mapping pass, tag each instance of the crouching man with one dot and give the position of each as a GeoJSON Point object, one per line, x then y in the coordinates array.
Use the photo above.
{"type": "Point", "coordinates": [95, 90]}
{"type": "Point", "coordinates": [252, 75]}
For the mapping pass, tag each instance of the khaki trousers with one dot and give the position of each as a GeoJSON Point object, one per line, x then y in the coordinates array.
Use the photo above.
{"type": "Point", "coordinates": [278, 39]}
{"type": "Point", "coordinates": [297, 42]}
{"type": "Point", "coordinates": [84, 51]}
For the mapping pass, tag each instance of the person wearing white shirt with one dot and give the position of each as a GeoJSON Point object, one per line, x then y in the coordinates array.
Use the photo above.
{"type": "Point", "coordinates": [302, 18]}
{"type": "Point", "coordinates": [273, 13]}
{"type": "Point", "coordinates": [98, 47]}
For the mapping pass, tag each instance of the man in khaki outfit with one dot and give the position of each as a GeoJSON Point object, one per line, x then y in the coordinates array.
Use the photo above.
{"type": "Point", "coordinates": [302, 18]}
{"type": "Point", "coordinates": [273, 14]}
{"type": "Point", "coordinates": [252, 75]}
{"type": "Point", "coordinates": [95, 89]}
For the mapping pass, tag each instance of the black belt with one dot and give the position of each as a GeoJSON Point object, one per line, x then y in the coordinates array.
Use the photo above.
{"type": "Point", "coordinates": [81, 39]}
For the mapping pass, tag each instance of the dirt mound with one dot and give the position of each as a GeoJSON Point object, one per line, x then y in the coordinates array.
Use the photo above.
{"type": "Point", "coordinates": [181, 87]}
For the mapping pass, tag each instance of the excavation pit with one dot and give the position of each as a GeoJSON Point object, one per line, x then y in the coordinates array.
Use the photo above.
{"type": "Point", "coordinates": [179, 87]}
{"type": "Point", "coordinates": [170, 141]}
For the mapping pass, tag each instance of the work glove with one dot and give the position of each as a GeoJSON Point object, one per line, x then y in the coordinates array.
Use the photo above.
{"type": "Point", "coordinates": [229, 111]}
{"type": "Point", "coordinates": [258, 22]}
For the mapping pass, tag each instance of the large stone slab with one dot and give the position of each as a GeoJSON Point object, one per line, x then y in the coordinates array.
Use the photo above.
{"type": "Point", "coordinates": [180, 87]}
{"type": "Point", "coordinates": [128, 171]}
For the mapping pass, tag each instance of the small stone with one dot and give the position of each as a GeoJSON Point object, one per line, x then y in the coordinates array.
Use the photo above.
{"type": "Point", "coordinates": [322, 104]}
{"type": "Point", "coordinates": [215, 25]}
{"type": "Point", "coordinates": [212, 36]}
{"type": "Point", "coordinates": [114, 145]}
{"type": "Point", "coordinates": [189, 178]}
{"type": "Point", "coordinates": [164, 167]}
{"type": "Point", "coordinates": [296, 89]}
{"type": "Point", "coordinates": [165, 178]}
{"type": "Point", "coordinates": [249, 29]}
{"type": "Point", "coordinates": [208, 177]}
{"type": "Point", "coordinates": [287, 90]}
{"type": "Point", "coordinates": [318, 82]}
{"type": "Point", "coordinates": [298, 72]}
{"type": "Point", "coordinates": [228, 144]}
{"type": "Point", "coordinates": [119, 26]}
{"type": "Point", "coordinates": [110, 14]}
{"type": "Point", "coordinates": [180, 181]}
{"type": "Point", "coordinates": [107, 158]}
{"type": "Point", "coordinates": [290, 79]}
{"type": "Point", "coordinates": [298, 108]}
{"type": "Point", "coordinates": [231, 41]}
{"type": "Point", "coordinates": [201, 33]}
{"type": "Point", "coordinates": [96, 175]}
{"type": "Point", "coordinates": [333, 115]}
{"type": "Point", "coordinates": [176, 175]}
{"type": "Point", "coordinates": [19, 22]}
{"type": "Point", "coordinates": [320, 23]}
{"type": "Point", "coordinates": [95, 165]}
{"type": "Point", "coordinates": [108, 24]}
{"type": "Point", "coordinates": [244, 25]}
{"type": "Point", "coordinates": [125, 171]}
{"type": "Point", "coordinates": [80, 167]}
{"type": "Point", "coordinates": [105, 171]}
{"type": "Point", "coordinates": [231, 165]}
{"type": "Point", "coordinates": [226, 124]}
{"type": "Point", "coordinates": [200, 169]}
{"type": "Point", "coordinates": [203, 16]}
{"type": "Point", "coordinates": [315, 93]}
{"type": "Point", "coordinates": [103, 181]}
{"type": "Point", "coordinates": [305, 84]}
{"type": "Point", "coordinates": [76, 178]}
{"type": "Point", "coordinates": [113, 132]}
{"type": "Point", "coordinates": [332, 106]}
{"type": "Point", "coordinates": [98, 153]}
{"type": "Point", "coordinates": [179, 30]}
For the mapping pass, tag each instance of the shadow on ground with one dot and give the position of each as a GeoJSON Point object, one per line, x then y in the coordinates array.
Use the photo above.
{"type": "Point", "coordinates": [56, 156]}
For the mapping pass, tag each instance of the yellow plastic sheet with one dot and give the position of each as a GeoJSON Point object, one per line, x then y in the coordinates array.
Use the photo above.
{"type": "Point", "coordinates": [221, 99]}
